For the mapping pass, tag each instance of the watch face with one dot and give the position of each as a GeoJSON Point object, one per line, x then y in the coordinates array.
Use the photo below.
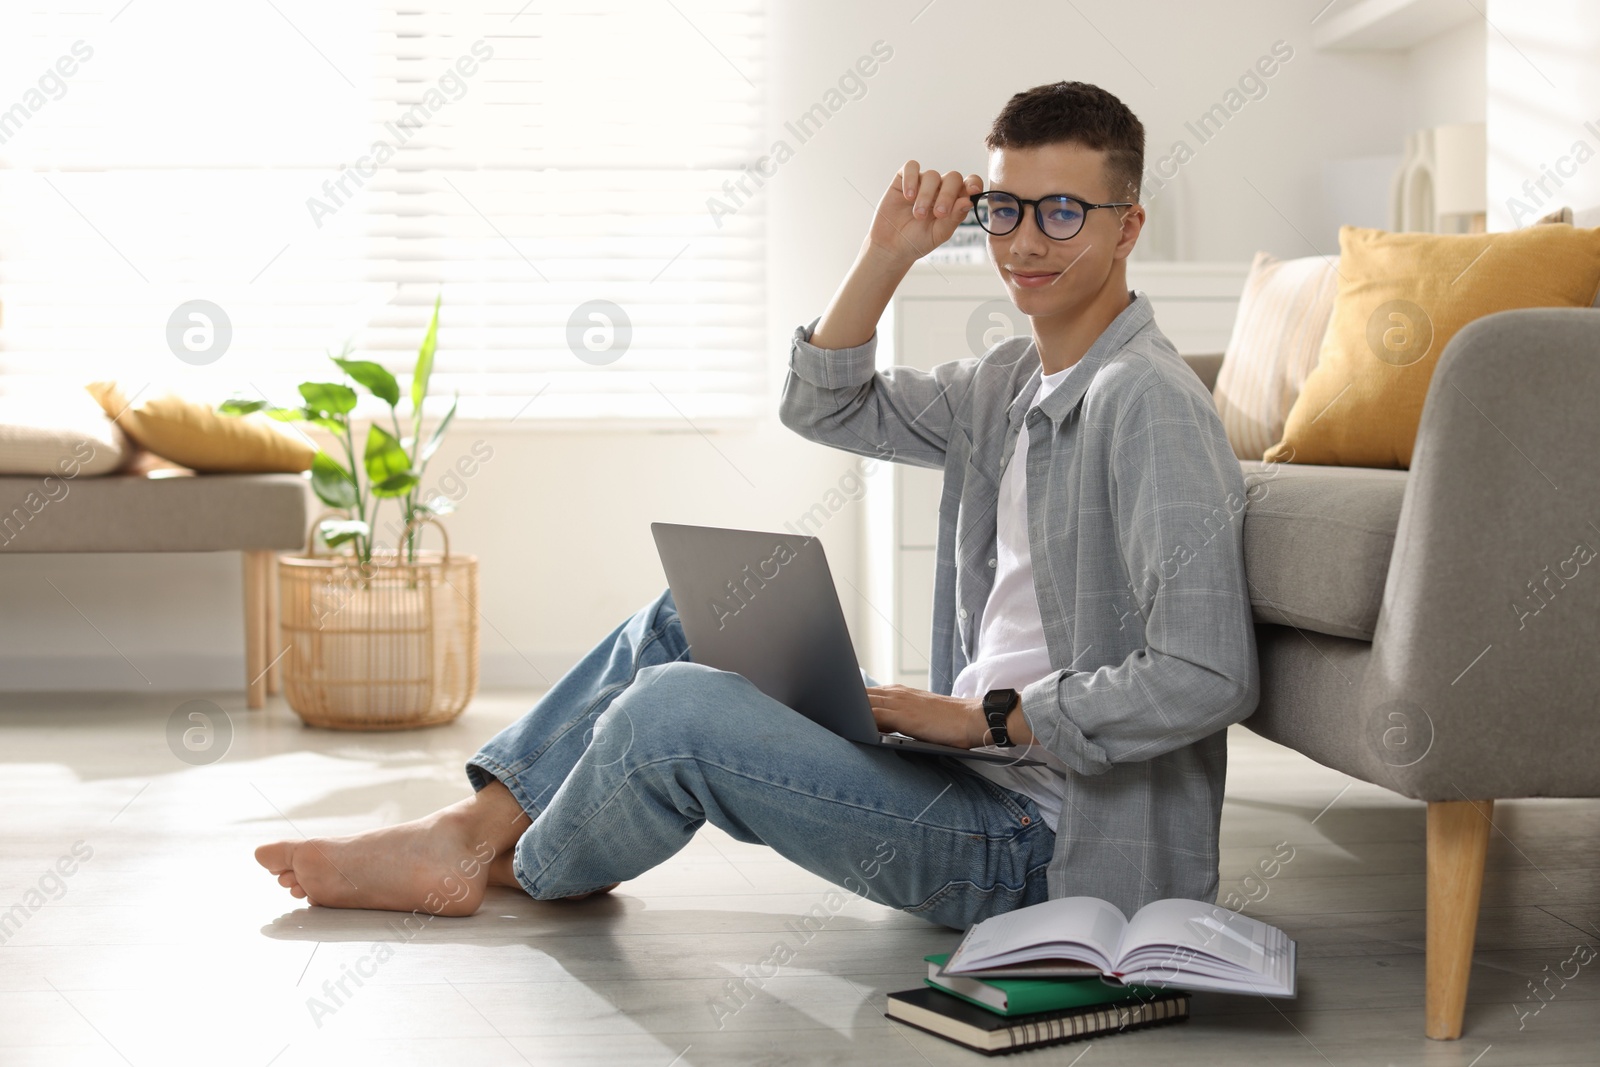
{"type": "Point", "coordinates": [999, 699]}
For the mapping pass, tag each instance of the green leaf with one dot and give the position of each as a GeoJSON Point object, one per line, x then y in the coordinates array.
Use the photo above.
{"type": "Point", "coordinates": [328, 398]}
{"type": "Point", "coordinates": [336, 532]}
{"type": "Point", "coordinates": [334, 486]}
{"type": "Point", "coordinates": [438, 435]}
{"type": "Point", "coordinates": [424, 368]}
{"type": "Point", "coordinates": [396, 485]}
{"type": "Point", "coordinates": [235, 406]}
{"type": "Point", "coordinates": [374, 377]}
{"type": "Point", "coordinates": [330, 423]}
{"type": "Point", "coordinates": [384, 458]}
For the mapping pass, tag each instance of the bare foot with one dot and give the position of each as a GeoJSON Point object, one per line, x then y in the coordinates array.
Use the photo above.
{"type": "Point", "coordinates": [438, 864]}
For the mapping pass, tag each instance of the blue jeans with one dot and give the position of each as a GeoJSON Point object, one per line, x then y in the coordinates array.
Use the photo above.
{"type": "Point", "coordinates": [636, 746]}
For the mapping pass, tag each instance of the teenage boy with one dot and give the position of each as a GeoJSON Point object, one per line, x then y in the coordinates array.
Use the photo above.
{"type": "Point", "coordinates": [1090, 608]}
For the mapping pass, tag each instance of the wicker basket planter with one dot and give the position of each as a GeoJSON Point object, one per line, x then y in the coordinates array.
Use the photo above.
{"type": "Point", "coordinates": [385, 646]}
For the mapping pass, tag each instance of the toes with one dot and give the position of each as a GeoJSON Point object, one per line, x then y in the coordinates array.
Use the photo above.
{"type": "Point", "coordinates": [276, 857]}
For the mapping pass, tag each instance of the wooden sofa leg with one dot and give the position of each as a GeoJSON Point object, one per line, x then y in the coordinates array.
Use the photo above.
{"type": "Point", "coordinates": [269, 586]}
{"type": "Point", "coordinates": [255, 628]}
{"type": "Point", "coordinates": [1458, 842]}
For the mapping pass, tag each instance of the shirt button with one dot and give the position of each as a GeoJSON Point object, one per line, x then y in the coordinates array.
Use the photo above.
{"type": "Point", "coordinates": [962, 612]}
{"type": "Point", "coordinates": [991, 563]}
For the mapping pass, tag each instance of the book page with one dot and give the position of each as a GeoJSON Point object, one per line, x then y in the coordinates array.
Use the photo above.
{"type": "Point", "coordinates": [1044, 931]}
{"type": "Point", "coordinates": [1212, 930]}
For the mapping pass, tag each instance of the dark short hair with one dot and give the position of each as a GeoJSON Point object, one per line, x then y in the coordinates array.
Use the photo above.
{"type": "Point", "coordinates": [1077, 113]}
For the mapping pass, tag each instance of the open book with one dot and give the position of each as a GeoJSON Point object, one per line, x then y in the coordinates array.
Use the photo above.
{"type": "Point", "coordinates": [1188, 944]}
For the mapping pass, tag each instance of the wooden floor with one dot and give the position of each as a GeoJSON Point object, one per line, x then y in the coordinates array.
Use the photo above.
{"type": "Point", "coordinates": [167, 945]}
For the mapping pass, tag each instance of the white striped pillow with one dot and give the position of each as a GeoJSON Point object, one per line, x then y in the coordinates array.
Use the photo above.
{"type": "Point", "coordinates": [1277, 337]}
{"type": "Point", "coordinates": [61, 432]}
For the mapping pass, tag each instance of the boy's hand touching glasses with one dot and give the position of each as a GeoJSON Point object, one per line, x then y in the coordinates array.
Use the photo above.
{"type": "Point", "coordinates": [920, 210]}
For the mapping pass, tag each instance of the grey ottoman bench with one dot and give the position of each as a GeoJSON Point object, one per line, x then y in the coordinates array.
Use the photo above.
{"type": "Point", "coordinates": [253, 514]}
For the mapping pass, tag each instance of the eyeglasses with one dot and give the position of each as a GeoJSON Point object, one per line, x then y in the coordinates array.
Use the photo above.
{"type": "Point", "coordinates": [1060, 217]}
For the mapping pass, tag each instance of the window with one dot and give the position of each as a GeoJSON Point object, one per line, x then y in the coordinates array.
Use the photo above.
{"type": "Point", "coordinates": [321, 172]}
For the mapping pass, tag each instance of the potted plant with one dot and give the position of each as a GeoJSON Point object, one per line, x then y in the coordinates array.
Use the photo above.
{"type": "Point", "coordinates": [375, 637]}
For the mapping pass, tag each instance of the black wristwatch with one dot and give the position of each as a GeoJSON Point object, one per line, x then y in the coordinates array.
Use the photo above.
{"type": "Point", "coordinates": [997, 705]}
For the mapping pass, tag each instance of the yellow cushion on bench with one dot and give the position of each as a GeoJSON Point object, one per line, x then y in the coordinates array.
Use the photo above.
{"type": "Point", "coordinates": [195, 436]}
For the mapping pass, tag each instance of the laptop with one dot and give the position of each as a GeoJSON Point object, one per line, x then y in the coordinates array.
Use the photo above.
{"type": "Point", "coordinates": [763, 605]}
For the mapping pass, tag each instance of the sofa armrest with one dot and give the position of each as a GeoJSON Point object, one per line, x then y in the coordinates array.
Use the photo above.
{"type": "Point", "coordinates": [1206, 365]}
{"type": "Point", "coordinates": [1484, 656]}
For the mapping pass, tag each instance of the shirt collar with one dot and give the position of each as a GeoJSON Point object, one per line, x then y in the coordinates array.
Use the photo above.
{"type": "Point", "coordinates": [1128, 322]}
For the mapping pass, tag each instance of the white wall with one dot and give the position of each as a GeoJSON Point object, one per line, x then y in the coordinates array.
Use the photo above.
{"type": "Point", "coordinates": [1447, 77]}
{"type": "Point", "coordinates": [560, 521]}
{"type": "Point", "coordinates": [1543, 109]}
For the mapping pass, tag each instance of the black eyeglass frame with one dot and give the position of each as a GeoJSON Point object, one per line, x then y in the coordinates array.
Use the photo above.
{"type": "Point", "coordinates": [1084, 204]}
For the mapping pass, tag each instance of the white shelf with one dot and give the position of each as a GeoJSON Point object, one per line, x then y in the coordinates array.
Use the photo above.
{"type": "Point", "coordinates": [1389, 25]}
{"type": "Point", "coordinates": [1195, 302]}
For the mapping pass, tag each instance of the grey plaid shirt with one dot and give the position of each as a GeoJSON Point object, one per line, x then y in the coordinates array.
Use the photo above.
{"type": "Point", "coordinates": [1135, 516]}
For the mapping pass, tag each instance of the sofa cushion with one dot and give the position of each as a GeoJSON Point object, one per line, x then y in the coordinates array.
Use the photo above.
{"type": "Point", "coordinates": [1317, 543]}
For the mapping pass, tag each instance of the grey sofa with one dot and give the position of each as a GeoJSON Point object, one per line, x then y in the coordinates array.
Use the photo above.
{"type": "Point", "coordinates": [1434, 631]}
{"type": "Point", "coordinates": [253, 514]}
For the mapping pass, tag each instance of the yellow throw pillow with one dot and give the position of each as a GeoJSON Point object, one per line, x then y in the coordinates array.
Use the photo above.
{"type": "Point", "coordinates": [1402, 297]}
{"type": "Point", "coordinates": [193, 435]}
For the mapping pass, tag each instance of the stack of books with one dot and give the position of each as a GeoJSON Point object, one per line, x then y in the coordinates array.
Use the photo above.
{"type": "Point", "coordinates": [1012, 1014]}
{"type": "Point", "coordinates": [1076, 967]}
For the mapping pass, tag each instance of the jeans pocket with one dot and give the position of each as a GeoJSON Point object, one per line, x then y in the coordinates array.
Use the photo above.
{"type": "Point", "coordinates": [1003, 871]}
{"type": "Point", "coordinates": [1023, 811]}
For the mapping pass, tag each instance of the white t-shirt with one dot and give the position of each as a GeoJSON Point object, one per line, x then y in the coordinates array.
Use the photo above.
{"type": "Point", "coordinates": [1010, 652]}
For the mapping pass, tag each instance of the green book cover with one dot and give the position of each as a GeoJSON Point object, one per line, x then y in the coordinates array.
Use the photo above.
{"type": "Point", "coordinates": [1024, 996]}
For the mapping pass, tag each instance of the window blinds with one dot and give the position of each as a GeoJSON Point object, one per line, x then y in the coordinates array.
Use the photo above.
{"type": "Point", "coordinates": [321, 173]}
